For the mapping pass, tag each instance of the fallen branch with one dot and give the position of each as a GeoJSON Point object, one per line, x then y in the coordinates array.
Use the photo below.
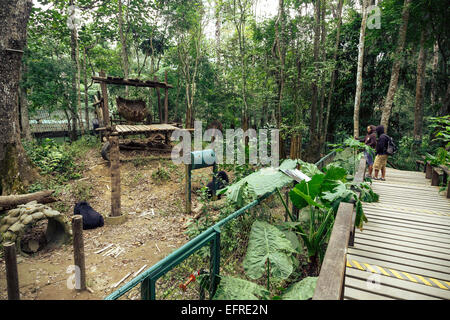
{"type": "Point", "coordinates": [12, 201]}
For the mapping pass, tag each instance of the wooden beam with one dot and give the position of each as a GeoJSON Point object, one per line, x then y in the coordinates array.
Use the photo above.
{"type": "Point", "coordinates": [130, 82]}
{"type": "Point", "coordinates": [330, 285]}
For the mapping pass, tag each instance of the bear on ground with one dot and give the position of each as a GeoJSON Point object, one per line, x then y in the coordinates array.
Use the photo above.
{"type": "Point", "coordinates": [91, 218]}
{"type": "Point", "coordinates": [221, 182]}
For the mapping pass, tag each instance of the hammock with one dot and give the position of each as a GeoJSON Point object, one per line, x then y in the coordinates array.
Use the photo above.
{"type": "Point", "coordinates": [132, 110]}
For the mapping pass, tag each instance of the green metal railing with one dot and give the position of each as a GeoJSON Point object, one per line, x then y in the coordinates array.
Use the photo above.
{"type": "Point", "coordinates": [211, 236]}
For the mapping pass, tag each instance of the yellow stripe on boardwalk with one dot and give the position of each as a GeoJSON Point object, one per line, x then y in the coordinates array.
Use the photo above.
{"type": "Point", "coordinates": [409, 277]}
{"type": "Point", "coordinates": [440, 285]}
{"type": "Point", "coordinates": [370, 268]}
{"type": "Point", "coordinates": [424, 281]}
{"type": "Point", "coordinates": [357, 265]}
{"type": "Point", "coordinates": [431, 282]}
{"type": "Point", "coordinates": [396, 274]}
{"type": "Point", "coordinates": [384, 272]}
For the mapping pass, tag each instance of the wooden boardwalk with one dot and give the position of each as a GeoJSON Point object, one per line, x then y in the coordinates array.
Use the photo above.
{"type": "Point", "coordinates": [404, 250]}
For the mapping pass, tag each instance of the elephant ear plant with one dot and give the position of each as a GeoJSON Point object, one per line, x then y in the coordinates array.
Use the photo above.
{"type": "Point", "coordinates": [271, 254]}
{"type": "Point", "coordinates": [318, 200]}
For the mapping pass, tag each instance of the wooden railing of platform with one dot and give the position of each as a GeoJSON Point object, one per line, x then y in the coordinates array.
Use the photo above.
{"type": "Point", "coordinates": [330, 285]}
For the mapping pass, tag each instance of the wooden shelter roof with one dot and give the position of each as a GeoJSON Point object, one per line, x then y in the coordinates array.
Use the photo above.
{"type": "Point", "coordinates": [132, 82]}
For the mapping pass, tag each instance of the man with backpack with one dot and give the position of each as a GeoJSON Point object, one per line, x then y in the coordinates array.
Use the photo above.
{"type": "Point", "coordinates": [381, 153]}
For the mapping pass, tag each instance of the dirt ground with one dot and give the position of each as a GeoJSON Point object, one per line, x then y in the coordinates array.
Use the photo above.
{"type": "Point", "coordinates": [147, 236]}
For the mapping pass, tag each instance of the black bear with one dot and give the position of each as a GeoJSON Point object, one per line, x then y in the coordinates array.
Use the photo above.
{"type": "Point", "coordinates": [91, 218]}
{"type": "Point", "coordinates": [221, 182]}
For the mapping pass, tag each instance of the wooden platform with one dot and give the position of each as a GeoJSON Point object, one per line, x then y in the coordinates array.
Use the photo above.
{"type": "Point", "coordinates": [404, 250]}
{"type": "Point", "coordinates": [123, 129]}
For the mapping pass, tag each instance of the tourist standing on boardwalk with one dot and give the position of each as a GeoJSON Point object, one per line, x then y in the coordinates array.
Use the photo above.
{"type": "Point", "coordinates": [381, 155]}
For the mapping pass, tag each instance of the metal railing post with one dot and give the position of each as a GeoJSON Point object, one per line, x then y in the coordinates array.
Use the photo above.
{"type": "Point", "coordinates": [215, 263]}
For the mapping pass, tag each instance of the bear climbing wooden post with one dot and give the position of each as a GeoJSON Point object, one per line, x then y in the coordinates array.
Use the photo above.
{"type": "Point", "coordinates": [78, 252]}
{"type": "Point", "coordinates": [12, 276]}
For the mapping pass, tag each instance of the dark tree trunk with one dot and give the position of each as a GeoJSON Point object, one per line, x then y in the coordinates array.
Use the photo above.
{"type": "Point", "coordinates": [16, 171]}
{"type": "Point", "coordinates": [420, 86]}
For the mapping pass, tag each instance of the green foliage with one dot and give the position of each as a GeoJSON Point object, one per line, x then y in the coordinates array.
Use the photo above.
{"type": "Point", "coordinates": [52, 158]}
{"type": "Point", "coordinates": [260, 182]}
{"type": "Point", "coordinates": [268, 246]}
{"type": "Point", "coordinates": [231, 288]}
{"type": "Point", "coordinates": [302, 290]}
{"type": "Point", "coordinates": [160, 175]}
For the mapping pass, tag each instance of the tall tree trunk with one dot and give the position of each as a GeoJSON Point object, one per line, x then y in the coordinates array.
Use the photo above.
{"type": "Point", "coordinates": [76, 65]}
{"type": "Point", "coordinates": [434, 73]}
{"type": "Point", "coordinates": [281, 51]}
{"type": "Point", "coordinates": [313, 152]}
{"type": "Point", "coordinates": [123, 42]}
{"type": "Point", "coordinates": [322, 81]}
{"type": "Point", "coordinates": [334, 71]}
{"type": "Point", "coordinates": [16, 172]}
{"type": "Point", "coordinates": [217, 8]}
{"type": "Point", "coordinates": [86, 94]}
{"type": "Point", "coordinates": [359, 72]}
{"type": "Point", "coordinates": [25, 130]}
{"type": "Point", "coordinates": [396, 66]}
{"type": "Point", "coordinates": [420, 86]}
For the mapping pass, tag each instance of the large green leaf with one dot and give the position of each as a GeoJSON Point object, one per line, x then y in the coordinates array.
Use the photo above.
{"type": "Point", "coordinates": [304, 192]}
{"type": "Point", "coordinates": [309, 169]}
{"type": "Point", "coordinates": [262, 181]}
{"type": "Point", "coordinates": [332, 176]}
{"type": "Point", "coordinates": [267, 242]}
{"type": "Point", "coordinates": [339, 191]}
{"type": "Point", "coordinates": [239, 289]}
{"type": "Point", "coordinates": [301, 200]}
{"type": "Point", "coordinates": [302, 290]}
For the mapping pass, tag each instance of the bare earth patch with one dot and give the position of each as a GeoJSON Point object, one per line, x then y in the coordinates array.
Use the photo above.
{"type": "Point", "coordinates": [145, 238]}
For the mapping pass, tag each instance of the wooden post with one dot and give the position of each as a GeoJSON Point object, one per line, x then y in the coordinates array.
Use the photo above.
{"type": "Point", "coordinates": [448, 188]}
{"type": "Point", "coordinates": [428, 170]}
{"type": "Point", "coordinates": [106, 121]}
{"type": "Point", "coordinates": [12, 276]}
{"type": "Point", "coordinates": [78, 252]}
{"type": "Point", "coordinates": [115, 175]}
{"type": "Point", "coordinates": [161, 119]}
{"type": "Point", "coordinates": [434, 177]}
{"type": "Point", "coordinates": [166, 100]}
{"type": "Point", "coordinates": [187, 189]}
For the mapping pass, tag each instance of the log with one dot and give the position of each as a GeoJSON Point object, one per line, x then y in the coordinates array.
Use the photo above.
{"type": "Point", "coordinates": [14, 200]}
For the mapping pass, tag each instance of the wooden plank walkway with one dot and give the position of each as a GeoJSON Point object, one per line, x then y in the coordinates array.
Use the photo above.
{"type": "Point", "coordinates": [404, 250]}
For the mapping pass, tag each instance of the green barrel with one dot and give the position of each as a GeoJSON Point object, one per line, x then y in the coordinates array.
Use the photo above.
{"type": "Point", "coordinates": [202, 159]}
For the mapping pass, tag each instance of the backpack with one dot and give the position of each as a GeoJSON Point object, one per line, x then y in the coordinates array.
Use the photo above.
{"type": "Point", "coordinates": [391, 147]}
